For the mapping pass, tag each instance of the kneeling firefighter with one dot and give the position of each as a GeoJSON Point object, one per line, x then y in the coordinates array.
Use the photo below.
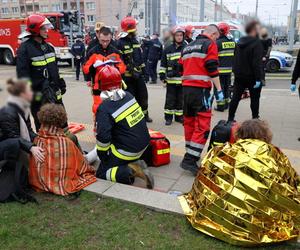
{"type": "Point", "coordinates": [122, 135]}
{"type": "Point", "coordinates": [36, 62]}
{"type": "Point", "coordinates": [170, 73]}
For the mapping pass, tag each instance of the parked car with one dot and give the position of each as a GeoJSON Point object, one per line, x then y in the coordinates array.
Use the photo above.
{"type": "Point", "coordinates": [279, 61]}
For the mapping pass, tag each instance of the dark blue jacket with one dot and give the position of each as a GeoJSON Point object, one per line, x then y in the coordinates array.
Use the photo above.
{"type": "Point", "coordinates": [155, 50]}
{"type": "Point", "coordinates": [121, 129]}
{"type": "Point", "coordinates": [78, 49]}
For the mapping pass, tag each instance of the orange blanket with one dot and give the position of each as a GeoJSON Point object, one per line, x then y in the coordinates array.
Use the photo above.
{"type": "Point", "coordinates": [64, 170]}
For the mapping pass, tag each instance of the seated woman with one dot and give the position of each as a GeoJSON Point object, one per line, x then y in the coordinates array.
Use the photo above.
{"type": "Point", "coordinates": [65, 170]}
{"type": "Point", "coordinates": [16, 134]}
{"type": "Point", "coordinates": [246, 193]}
{"type": "Point", "coordinates": [16, 138]}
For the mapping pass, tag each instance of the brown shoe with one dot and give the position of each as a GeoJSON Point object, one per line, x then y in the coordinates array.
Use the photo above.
{"type": "Point", "coordinates": [140, 169]}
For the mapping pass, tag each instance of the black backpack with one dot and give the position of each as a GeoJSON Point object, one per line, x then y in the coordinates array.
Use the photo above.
{"type": "Point", "coordinates": [14, 182]}
{"type": "Point", "coordinates": [222, 133]}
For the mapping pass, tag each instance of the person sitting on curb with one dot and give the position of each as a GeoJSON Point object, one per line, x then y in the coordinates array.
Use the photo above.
{"type": "Point", "coordinates": [65, 170]}
{"type": "Point", "coordinates": [246, 193]}
{"type": "Point", "coordinates": [122, 134]}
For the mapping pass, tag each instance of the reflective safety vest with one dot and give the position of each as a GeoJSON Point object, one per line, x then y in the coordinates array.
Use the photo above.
{"type": "Point", "coordinates": [37, 63]}
{"type": "Point", "coordinates": [226, 48]}
{"type": "Point", "coordinates": [121, 128]}
{"type": "Point", "coordinates": [169, 66]}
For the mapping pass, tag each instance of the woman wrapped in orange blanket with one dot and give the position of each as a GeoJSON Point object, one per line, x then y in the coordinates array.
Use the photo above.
{"type": "Point", "coordinates": [64, 170]}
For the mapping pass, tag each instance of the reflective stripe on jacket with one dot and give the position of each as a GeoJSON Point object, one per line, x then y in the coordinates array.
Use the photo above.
{"type": "Point", "coordinates": [200, 62]}
{"type": "Point", "coordinates": [226, 48]}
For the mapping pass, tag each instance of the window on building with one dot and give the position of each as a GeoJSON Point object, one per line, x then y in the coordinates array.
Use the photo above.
{"type": "Point", "coordinates": [91, 18]}
{"type": "Point", "coordinates": [14, 1]}
{"type": "Point", "coordinates": [44, 8]}
{"type": "Point", "coordinates": [56, 7]}
{"type": "Point", "coordinates": [4, 10]}
{"type": "Point", "coordinates": [4, 1]}
{"type": "Point", "coordinates": [15, 9]}
{"type": "Point", "coordinates": [90, 6]}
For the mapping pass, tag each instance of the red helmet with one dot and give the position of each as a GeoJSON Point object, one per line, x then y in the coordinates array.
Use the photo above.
{"type": "Point", "coordinates": [110, 78]}
{"type": "Point", "coordinates": [189, 30]}
{"type": "Point", "coordinates": [178, 29]}
{"type": "Point", "coordinates": [224, 28]}
{"type": "Point", "coordinates": [128, 24]}
{"type": "Point", "coordinates": [35, 22]}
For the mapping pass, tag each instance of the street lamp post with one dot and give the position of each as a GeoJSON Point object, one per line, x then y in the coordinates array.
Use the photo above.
{"type": "Point", "coordinates": [202, 6]}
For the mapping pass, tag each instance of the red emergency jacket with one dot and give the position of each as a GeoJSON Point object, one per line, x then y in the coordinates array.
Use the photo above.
{"type": "Point", "coordinates": [200, 62]}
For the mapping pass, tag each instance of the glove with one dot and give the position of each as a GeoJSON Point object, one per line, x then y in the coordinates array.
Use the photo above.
{"type": "Point", "coordinates": [257, 84]}
{"type": "Point", "coordinates": [220, 96]}
{"type": "Point", "coordinates": [293, 87]}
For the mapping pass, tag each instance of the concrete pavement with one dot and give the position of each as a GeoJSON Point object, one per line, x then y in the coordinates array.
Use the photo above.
{"type": "Point", "coordinates": [278, 107]}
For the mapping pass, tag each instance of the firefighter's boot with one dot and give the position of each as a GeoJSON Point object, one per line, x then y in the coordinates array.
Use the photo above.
{"type": "Point", "coordinates": [140, 169]}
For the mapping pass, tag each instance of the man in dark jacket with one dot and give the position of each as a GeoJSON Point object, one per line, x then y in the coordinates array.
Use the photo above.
{"type": "Point", "coordinates": [267, 45]}
{"type": "Point", "coordinates": [154, 55]}
{"type": "Point", "coordinates": [36, 62]}
{"type": "Point", "coordinates": [247, 67]}
{"type": "Point", "coordinates": [226, 47]}
{"type": "Point", "coordinates": [134, 76]}
{"type": "Point", "coordinates": [78, 51]}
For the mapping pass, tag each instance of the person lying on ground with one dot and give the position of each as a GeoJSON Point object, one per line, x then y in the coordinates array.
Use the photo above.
{"type": "Point", "coordinates": [65, 170]}
{"type": "Point", "coordinates": [246, 193]}
{"type": "Point", "coordinates": [16, 134]}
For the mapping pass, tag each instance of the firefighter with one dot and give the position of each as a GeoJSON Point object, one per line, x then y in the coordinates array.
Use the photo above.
{"type": "Point", "coordinates": [189, 32]}
{"type": "Point", "coordinates": [170, 74]}
{"type": "Point", "coordinates": [122, 134]}
{"type": "Point", "coordinates": [131, 51]}
{"type": "Point", "coordinates": [36, 62]}
{"type": "Point", "coordinates": [200, 69]}
{"type": "Point", "coordinates": [154, 55]}
{"type": "Point", "coordinates": [101, 52]}
{"type": "Point", "coordinates": [78, 51]}
{"type": "Point", "coordinates": [226, 46]}
{"type": "Point", "coordinates": [95, 40]}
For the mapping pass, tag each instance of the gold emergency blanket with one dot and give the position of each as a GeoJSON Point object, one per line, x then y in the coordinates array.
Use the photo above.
{"type": "Point", "coordinates": [246, 194]}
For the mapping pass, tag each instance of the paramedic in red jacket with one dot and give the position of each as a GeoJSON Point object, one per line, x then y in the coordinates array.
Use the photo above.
{"type": "Point", "coordinates": [200, 69]}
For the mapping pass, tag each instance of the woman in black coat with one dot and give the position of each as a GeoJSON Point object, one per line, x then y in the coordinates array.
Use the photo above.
{"type": "Point", "coordinates": [16, 134]}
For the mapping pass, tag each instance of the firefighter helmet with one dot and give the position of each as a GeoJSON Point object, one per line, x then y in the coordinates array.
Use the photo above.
{"type": "Point", "coordinates": [178, 29]}
{"type": "Point", "coordinates": [128, 24]}
{"type": "Point", "coordinates": [224, 28]}
{"type": "Point", "coordinates": [36, 22]}
{"type": "Point", "coordinates": [189, 30]}
{"type": "Point", "coordinates": [110, 78]}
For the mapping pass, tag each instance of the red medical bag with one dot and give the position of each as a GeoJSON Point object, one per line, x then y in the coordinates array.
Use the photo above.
{"type": "Point", "coordinates": [158, 152]}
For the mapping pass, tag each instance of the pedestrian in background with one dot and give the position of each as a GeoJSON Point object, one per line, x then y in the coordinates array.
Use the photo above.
{"type": "Point", "coordinates": [95, 40]}
{"type": "Point", "coordinates": [226, 46]}
{"type": "Point", "coordinates": [78, 51]}
{"type": "Point", "coordinates": [247, 65]}
{"type": "Point", "coordinates": [154, 55]}
{"type": "Point", "coordinates": [295, 76]}
{"type": "Point", "coordinates": [145, 52]}
{"type": "Point", "coordinates": [267, 46]}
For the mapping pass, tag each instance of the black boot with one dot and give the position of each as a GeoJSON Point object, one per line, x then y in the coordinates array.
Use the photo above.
{"type": "Point", "coordinates": [168, 122]}
{"type": "Point", "coordinates": [189, 163]}
{"type": "Point", "coordinates": [179, 119]}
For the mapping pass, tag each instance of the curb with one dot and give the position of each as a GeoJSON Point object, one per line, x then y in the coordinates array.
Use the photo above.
{"type": "Point", "coordinates": [158, 201]}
